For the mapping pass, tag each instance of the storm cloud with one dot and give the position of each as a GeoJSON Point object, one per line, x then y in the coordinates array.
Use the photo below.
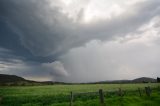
{"type": "Point", "coordinates": [52, 37]}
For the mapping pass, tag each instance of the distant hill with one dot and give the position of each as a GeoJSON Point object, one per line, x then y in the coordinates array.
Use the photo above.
{"type": "Point", "coordinates": [10, 78]}
{"type": "Point", "coordinates": [13, 80]}
{"type": "Point", "coordinates": [113, 82]}
{"type": "Point", "coordinates": [137, 80]}
{"type": "Point", "coordinates": [144, 80]}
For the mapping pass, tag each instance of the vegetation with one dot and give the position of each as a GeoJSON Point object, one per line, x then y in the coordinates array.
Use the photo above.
{"type": "Point", "coordinates": [59, 95]}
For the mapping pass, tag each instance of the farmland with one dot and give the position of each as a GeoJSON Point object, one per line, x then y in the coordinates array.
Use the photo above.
{"type": "Point", "coordinates": [59, 95]}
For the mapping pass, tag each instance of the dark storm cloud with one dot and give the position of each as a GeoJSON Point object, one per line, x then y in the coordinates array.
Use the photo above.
{"type": "Point", "coordinates": [27, 20]}
{"type": "Point", "coordinates": [11, 41]}
{"type": "Point", "coordinates": [45, 31]}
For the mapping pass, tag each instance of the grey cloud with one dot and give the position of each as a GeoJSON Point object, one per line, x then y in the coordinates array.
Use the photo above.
{"type": "Point", "coordinates": [58, 68]}
{"type": "Point", "coordinates": [45, 31]}
{"type": "Point", "coordinates": [34, 35]}
{"type": "Point", "coordinates": [12, 64]}
{"type": "Point", "coordinates": [54, 71]}
{"type": "Point", "coordinates": [27, 20]}
{"type": "Point", "coordinates": [110, 61]}
{"type": "Point", "coordinates": [7, 55]}
{"type": "Point", "coordinates": [136, 56]}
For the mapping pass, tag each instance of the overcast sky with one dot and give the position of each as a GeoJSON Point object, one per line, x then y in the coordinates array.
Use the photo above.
{"type": "Point", "coordinates": [80, 40]}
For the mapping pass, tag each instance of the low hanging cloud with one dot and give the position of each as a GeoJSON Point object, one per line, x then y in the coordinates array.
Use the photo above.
{"type": "Point", "coordinates": [54, 36]}
{"type": "Point", "coordinates": [34, 71]}
{"type": "Point", "coordinates": [58, 68]}
{"type": "Point", "coordinates": [135, 55]}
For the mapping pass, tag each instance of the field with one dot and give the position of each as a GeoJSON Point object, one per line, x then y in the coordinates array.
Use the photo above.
{"type": "Point", "coordinates": [59, 95]}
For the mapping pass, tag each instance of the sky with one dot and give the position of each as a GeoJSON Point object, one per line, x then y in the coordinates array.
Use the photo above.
{"type": "Point", "coordinates": [80, 40]}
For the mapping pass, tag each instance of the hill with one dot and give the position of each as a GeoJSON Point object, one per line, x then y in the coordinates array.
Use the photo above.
{"type": "Point", "coordinates": [144, 80]}
{"type": "Point", "coordinates": [10, 78]}
{"type": "Point", "coordinates": [13, 80]}
{"type": "Point", "coordinates": [137, 80]}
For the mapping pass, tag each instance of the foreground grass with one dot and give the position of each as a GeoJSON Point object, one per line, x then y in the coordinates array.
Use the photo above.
{"type": "Point", "coordinates": [58, 95]}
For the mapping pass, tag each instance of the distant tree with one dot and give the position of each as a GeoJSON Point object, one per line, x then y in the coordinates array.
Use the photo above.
{"type": "Point", "coordinates": [158, 79]}
{"type": "Point", "coordinates": [145, 82]}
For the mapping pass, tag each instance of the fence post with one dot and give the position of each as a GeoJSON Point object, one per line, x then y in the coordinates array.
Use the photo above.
{"type": "Point", "coordinates": [71, 99]}
{"type": "Point", "coordinates": [158, 88]}
{"type": "Point", "coordinates": [120, 92]}
{"type": "Point", "coordinates": [148, 91]}
{"type": "Point", "coordinates": [139, 90]}
{"type": "Point", "coordinates": [101, 96]}
{"type": "Point", "coordinates": [0, 99]}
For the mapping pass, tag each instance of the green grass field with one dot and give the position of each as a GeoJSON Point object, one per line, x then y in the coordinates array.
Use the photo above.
{"type": "Point", "coordinates": [59, 95]}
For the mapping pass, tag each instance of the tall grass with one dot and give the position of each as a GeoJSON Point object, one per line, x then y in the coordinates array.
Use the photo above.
{"type": "Point", "coordinates": [58, 95]}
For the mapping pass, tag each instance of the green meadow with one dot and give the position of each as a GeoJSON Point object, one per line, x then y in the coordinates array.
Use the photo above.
{"type": "Point", "coordinates": [59, 95]}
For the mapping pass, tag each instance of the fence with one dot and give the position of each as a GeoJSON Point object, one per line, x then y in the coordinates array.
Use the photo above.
{"type": "Point", "coordinates": [101, 93]}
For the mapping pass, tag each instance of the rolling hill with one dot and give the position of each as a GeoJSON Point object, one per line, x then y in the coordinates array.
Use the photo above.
{"type": "Point", "coordinates": [144, 80]}
{"type": "Point", "coordinates": [13, 80]}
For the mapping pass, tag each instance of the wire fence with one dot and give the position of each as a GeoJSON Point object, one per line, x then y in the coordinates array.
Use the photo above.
{"type": "Point", "coordinates": [101, 94]}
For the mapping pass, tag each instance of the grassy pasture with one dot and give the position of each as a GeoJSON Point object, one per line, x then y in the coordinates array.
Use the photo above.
{"type": "Point", "coordinates": [59, 95]}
